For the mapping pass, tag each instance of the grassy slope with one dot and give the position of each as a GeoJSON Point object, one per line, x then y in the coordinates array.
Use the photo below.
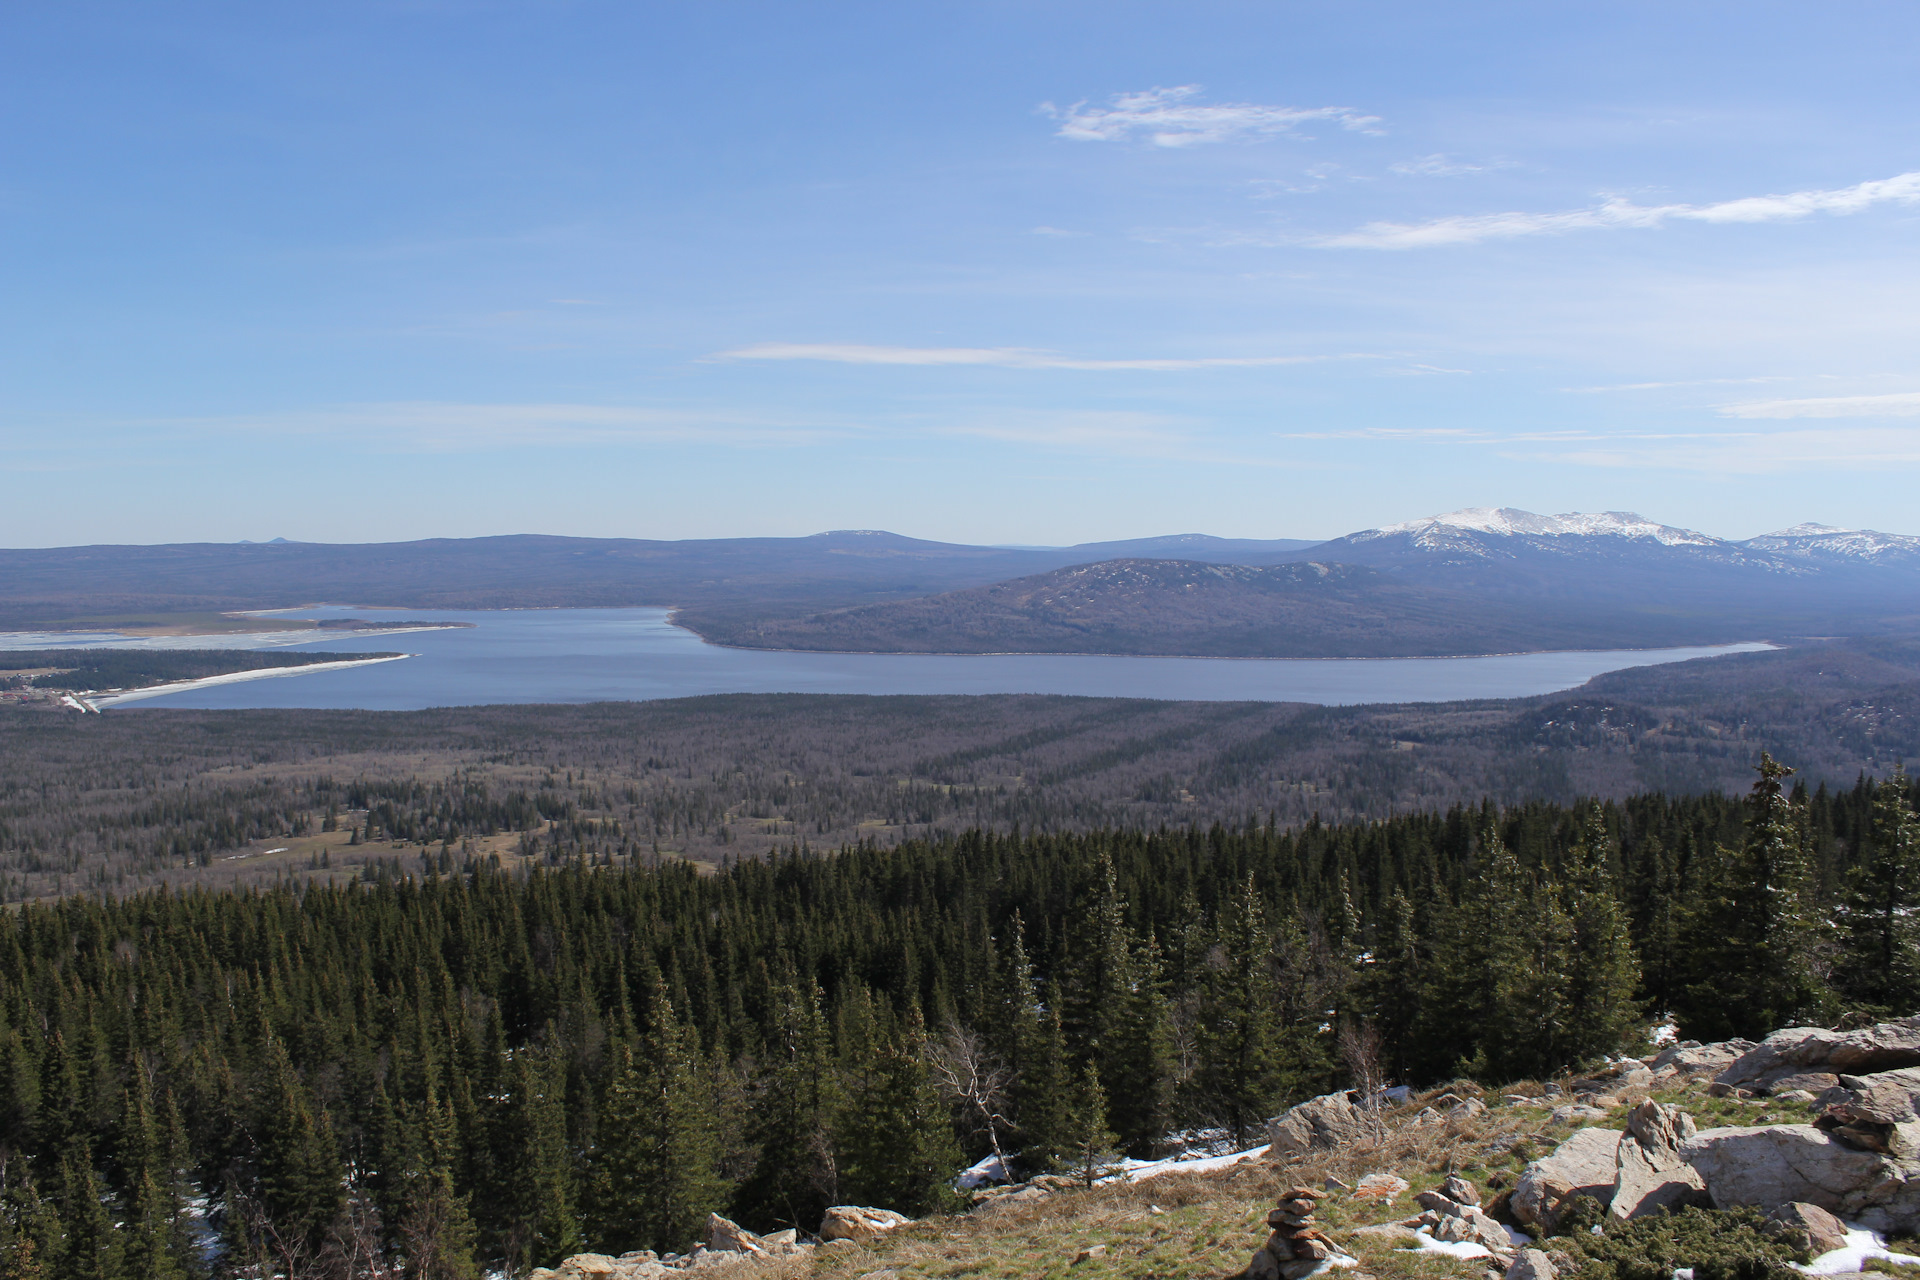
{"type": "Point", "coordinates": [1210, 1224]}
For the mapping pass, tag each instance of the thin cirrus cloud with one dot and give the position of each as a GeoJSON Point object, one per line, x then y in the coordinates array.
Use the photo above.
{"type": "Point", "coordinates": [1171, 118]}
{"type": "Point", "coordinates": [1001, 357]}
{"type": "Point", "coordinates": [1900, 404]}
{"type": "Point", "coordinates": [1902, 188]}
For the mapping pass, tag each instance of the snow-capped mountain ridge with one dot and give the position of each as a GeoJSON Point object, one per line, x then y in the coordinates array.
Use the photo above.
{"type": "Point", "coordinates": [1513, 522]}
{"type": "Point", "coordinates": [1828, 542]}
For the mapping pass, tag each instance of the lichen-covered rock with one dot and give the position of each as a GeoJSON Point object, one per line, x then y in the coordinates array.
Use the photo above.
{"type": "Point", "coordinates": [1382, 1188]}
{"type": "Point", "coordinates": [1318, 1124]}
{"type": "Point", "coordinates": [1587, 1163]}
{"type": "Point", "coordinates": [1691, 1057]}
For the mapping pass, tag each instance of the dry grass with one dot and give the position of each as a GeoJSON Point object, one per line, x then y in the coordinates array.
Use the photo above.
{"type": "Point", "coordinates": [1208, 1225]}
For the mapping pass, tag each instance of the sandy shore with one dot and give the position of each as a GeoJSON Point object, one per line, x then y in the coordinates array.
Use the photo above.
{"type": "Point", "coordinates": [114, 699]}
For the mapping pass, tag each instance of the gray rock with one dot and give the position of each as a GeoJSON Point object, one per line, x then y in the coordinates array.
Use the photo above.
{"type": "Point", "coordinates": [1651, 1179]}
{"type": "Point", "coordinates": [1574, 1111]}
{"type": "Point", "coordinates": [1587, 1163]}
{"type": "Point", "coordinates": [1691, 1057]}
{"type": "Point", "coordinates": [1657, 1125]}
{"type": "Point", "coordinates": [1319, 1124]}
{"type": "Point", "coordinates": [1440, 1203]}
{"type": "Point", "coordinates": [1804, 1082]}
{"type": "Point", "coordinates": [1530, 1264]}
{"type": "Point", "coordinates": [1808, 1227]}
{"type": "Point", "coordinates": [1460, 1191]}
{"type": "Point", "coordinates": [1466, 1109]}
{"type": "Point", "coordinates": [1779, 1164]}
{"type": "Point", "coordinates": [727, 1236]}
{"type": "Point", "coordinates": [1795, 1051]}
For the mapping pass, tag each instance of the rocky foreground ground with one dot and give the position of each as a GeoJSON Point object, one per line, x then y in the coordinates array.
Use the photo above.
{"type": "Point", "coordinates": [1782, 1144]}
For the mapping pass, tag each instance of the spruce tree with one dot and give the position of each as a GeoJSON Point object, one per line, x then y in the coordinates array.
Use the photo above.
{"type": "Point", "coordinates": [1879, 968]}
{"type": "Point", "coordinates": [1045, 1094]}
{"type": "Point", "coordinates": [1603, 970]}
{"type": "Point", "coordinates": [658, 1162]}
{"type": "Point", "coordinates": [894, 1138]}
{"type": "Point", "coordinates": [1090, 1152]}
{"type": "Point", "coordinates": [790, 1121]}
{"type": "Point", "coordinates": [1753, 935]}
{"type": "Point", "coordinates": [1240, 1076]}
{"type": "Point", "coordinates": [297, 1167]}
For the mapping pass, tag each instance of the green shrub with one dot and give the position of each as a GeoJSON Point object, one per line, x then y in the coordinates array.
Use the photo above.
{"type": "Point", "coordinates": [1719, 1244]}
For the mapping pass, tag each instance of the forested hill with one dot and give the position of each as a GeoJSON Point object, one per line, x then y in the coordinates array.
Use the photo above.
{"type": "Point", "coordinates": [1135, 606]}
{"type": "Point", "coordinates": [477, 1068]}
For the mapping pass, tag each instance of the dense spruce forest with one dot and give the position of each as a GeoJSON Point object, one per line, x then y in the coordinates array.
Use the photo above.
{"type": "Point", "coordinates": [464, 1066]}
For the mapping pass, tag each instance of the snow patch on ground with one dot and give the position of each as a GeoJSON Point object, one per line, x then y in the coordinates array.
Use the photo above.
{"type": "Point", "coordinates": [1140, 1170]}
{"type": "Point", "coordinates": [1452, 1248]}
{"type": "Point", "coordinates": [1862, 1244]}
{"type": "Point", "coordinates": [982, 1173]}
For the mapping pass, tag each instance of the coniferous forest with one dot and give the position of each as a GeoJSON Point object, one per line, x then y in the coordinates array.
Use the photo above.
{"type": "Point", "coordinates": [471, 1067]}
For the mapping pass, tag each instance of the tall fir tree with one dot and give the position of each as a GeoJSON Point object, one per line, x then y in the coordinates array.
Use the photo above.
{"type": "Point", "coordinates": [895, 1134]}
{"type": "Point", "coordinates": [1091, 1152]}
{"type": "Point", "coordinates": [1753, 934]}
{"type": "Point", "coordinates": [1603, 970]}
{"type": "Point", "coordinates": [791, 1118]}
{"type": "Point", "coordinates": [1879, 967]}
{"type": "Point", "coordinates": [659, 1158]}
{"type": "Point", "coordinates": [1241, 1073]}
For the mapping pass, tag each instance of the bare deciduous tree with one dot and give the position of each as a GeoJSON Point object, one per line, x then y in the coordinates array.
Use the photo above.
{"type": "Point", "coordinates": [975, 1081]}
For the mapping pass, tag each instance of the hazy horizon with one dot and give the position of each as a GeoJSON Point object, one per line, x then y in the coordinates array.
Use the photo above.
{"type": "Point", "coordinates": [1032, 274]}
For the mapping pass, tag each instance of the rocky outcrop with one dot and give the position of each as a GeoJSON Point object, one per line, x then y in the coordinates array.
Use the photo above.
{"type": "Point", "coordinates": [1797, 1051]}
{"type": "Point", "coordinates": [1650, 1176]}
{"type": "Point", "coordinates": [1294, 1245]}
{"type": "Point", "coordinates": [1780, 1164]}
{"type": "Point", "coordinates": [1453, 1214]}
{"type": "Point", "coordinates": [1877, 1113]}
{"type": "Point", "coordinates": [1318, 1124]}
{"type": "Point", "coordinates": [1586, 1164]}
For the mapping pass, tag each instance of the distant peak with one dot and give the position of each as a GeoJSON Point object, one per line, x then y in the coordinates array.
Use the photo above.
{"type": "Point", "coordinates": [1513, 522]}
{"type": "Point", "coordinates": [1808, 531]}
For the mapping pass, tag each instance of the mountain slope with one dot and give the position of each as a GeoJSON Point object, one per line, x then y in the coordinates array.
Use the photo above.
{"type": "Point", "coordinates": [1137, 606]}
{"type": "Point", "coordinates": [47, 585]}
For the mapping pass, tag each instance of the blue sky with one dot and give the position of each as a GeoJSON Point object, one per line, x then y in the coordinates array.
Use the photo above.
{"type": "Point", "coordinates": [994, 272]}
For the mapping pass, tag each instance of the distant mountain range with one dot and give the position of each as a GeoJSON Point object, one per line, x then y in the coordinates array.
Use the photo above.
{"type": "Point", "coordinates": [1469, 581]}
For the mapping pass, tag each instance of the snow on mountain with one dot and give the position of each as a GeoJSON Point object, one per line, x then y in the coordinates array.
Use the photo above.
{"type": "Point", "coordinates": [1829, 542]}
{"type": "Point", "coordinates": [1446, 531]}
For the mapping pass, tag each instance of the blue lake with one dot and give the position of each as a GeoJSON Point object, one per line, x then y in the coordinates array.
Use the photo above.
{"type": "Point", "coordinates": [595, 655]}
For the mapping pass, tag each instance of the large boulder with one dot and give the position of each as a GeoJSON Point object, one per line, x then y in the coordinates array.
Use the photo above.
{"type": "Point", "coordinates": [856, 1222]}
{"type": "Point", "coordinates": [1690, 1056]}
{"type": "Point", "coordinates": [1587, 1164]}
{"type": "Point", "coordinates": [1800, 1050]}
{"type": "Point", "coordinates": [1318, 1124]}
{"type": "Point", "coordinates": [1779, 1164]}
{"type": "Point", "coordinates": [1650, 1176]}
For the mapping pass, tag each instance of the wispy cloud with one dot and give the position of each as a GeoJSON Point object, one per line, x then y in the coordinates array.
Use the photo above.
{"type": "Point", "coordinates": [1471, 229]}
{"type": "Point", "coordinates": [1901, 404]}
{"type": "Point", "coordinates": [1171, 118]}
{"type": "Point", "coordinates": [441, 426]}
{"type": "Point", "coordinates": [1439, 166]}
{"type": "Point", "coordinates": [1002, 357]}
{"type": "Point", "coordinates": [1688, 382]}
{"type": "Point", "coordinates": [1744, 452]}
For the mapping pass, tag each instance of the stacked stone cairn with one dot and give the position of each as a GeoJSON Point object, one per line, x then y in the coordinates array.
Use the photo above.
{"type": "Point", "coordinates": [1296, 1246]}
